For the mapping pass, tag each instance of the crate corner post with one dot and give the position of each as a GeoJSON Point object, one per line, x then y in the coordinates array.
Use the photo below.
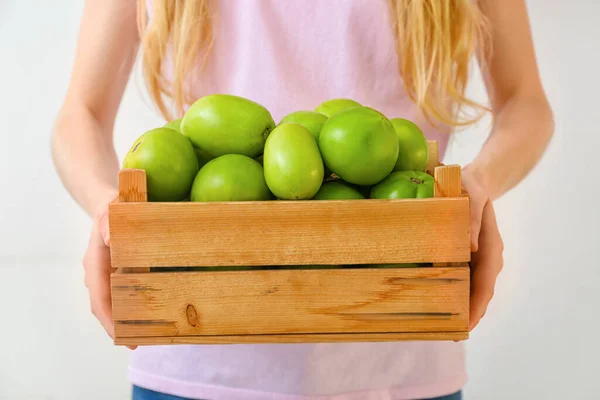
{"type": "Point", "coordinates": [132, 186]}
{"type": "Point", "coordinates": [132, 189]}
{"type": "Point", "coordinates": [448, 183]}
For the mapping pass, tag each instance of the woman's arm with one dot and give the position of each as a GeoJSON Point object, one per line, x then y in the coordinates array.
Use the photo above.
{"type": "Point", "coordinates": [523, 126]}
{"type": "Point", "coordinates": [523, 120]}
{"type": "Point", "coordinates": [82, 138]}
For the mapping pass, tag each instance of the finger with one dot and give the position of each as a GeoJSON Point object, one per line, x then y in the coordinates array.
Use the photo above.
{"type": "Point", "coordinates": [97, 271]}
{"type": "Point", "coordinates": [104, 315]}
{"type": "Point", "coordinates": [100, 298]}
{"type": "Point", "coordinates": [490, 232]}
{"type": "Point", "coordinates": [477, 206]}
{"type": "Point", "coordinates": [482, 284]}
{"type": "Point", "coordinates": [477, 198]}
{"type": "Point", "coordinates": [487, 265]}
{"type": "Point", "coordinates": [103, 228]}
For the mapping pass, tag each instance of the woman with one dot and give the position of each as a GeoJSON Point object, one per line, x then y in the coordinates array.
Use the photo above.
{"type": "Point", "coordinates": [405, 58]}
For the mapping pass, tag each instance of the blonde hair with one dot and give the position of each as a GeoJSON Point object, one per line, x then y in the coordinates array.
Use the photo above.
{"type": "Point", "coordinates": [435, 42]}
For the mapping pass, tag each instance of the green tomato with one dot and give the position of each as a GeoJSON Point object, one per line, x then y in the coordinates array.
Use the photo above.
{"type": "Point", "coordinates": [337, 191]}
{"type": "Point", "coordinates": [203, 156]}
{"type": "Point", "coordinates": [169, 161]}
{"type": "Point", "coordinates": [359, 145]}
{"type": "Point", "coordinates": [404, 185]}
{"type": "Point", "coordinates": [313, 121]}
{"type": "Point", "coordinates": [292, 163]}
{"type": "Point", "coordinates": [413, 152]}
{"type": "Point", "coordinates": [226, 124]}
{"type": "Point", "coordinates": [174, 124]}
{"type": "Point", "coordinates": [232, 177]}
{"type": "Point", "coordinates": [332, 106]}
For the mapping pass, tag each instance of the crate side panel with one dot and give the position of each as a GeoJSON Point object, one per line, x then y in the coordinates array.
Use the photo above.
{"type": "Point", "coordinates": [290, 233]}
{"type": "Point", "coordinates": [291, 301]}
{"type": "Point", "coordinates": [292, 338]}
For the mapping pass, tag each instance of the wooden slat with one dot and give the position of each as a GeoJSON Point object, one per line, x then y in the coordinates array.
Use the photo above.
{"type": "Point", "coordinates": [358, 300]}
{"type": "Point", "coordinates": [132, 186]}
{"type": "Point", "coordinates": [447, 184]}
{"type": "Point", "coordinates": [291, 338]}
{"type": "Point", "coordinates": [447, 181]}
{"type": "Point", "coordinates": [433, 160]}
{"type": "Point", "coordinates": [132, 189]}
{"type": "Point", "coordinates": [289, 233]}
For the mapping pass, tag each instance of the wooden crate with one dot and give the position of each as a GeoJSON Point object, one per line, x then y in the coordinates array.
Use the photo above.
{"type": "Point", "coordinates": [156, 301]}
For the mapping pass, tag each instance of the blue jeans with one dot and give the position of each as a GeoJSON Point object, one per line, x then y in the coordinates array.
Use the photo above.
{"type": "Point", "coordinates": [145, 394]}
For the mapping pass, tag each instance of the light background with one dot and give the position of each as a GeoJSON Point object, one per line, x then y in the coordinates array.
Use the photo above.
{"type": "Point", "coordinates": [538, 340]}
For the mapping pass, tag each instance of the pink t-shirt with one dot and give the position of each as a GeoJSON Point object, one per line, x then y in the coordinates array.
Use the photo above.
{"type": "Point", "coordinates": [291, 55]}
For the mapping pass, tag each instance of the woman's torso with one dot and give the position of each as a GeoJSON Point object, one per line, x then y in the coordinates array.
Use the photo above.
{"type": "Point", "coordinates": [291, 55]}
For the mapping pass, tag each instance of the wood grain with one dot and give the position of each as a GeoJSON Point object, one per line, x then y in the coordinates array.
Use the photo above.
{"type": "Point", "coordinates": [289, 232]}
{"type": "Point", "coordinates": [433, 160]}
{"type": "Point", "coordinates": [447, 181]}
{"type": "Point", "coordinates": [132, 186]}
{"type": "Point", "coordinates": [291, 338]}
{"type": "Point", "coordinates": [447, 184]}
{"type": "Point", "coordinates": [357, 300]}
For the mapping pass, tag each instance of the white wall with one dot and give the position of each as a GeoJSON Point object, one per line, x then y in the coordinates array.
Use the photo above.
{"type": "Point", "coordinates": [536, 342]}
{"type": "Point", "coordinates": [539, 337]}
